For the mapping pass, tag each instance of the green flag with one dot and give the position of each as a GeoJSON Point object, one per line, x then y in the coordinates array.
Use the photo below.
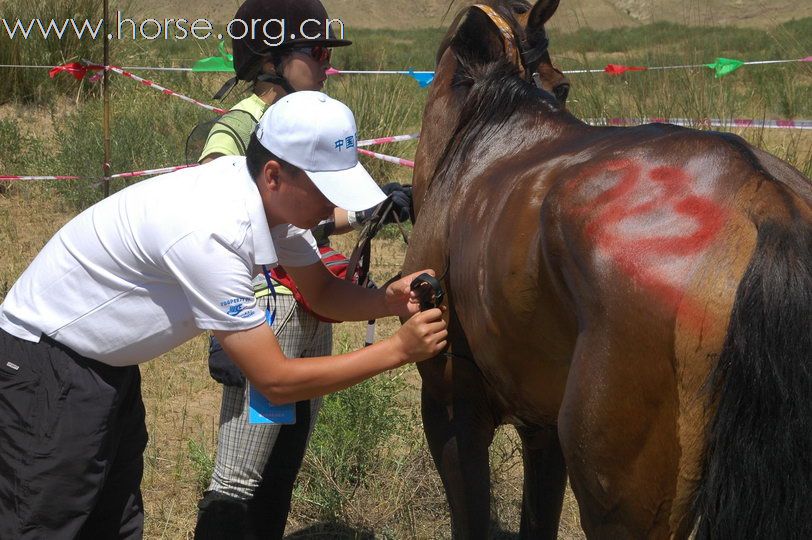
{"type": "Point", "coordinates": [223, 63]}
{"type": "Point", "coordinates": [725, 66]}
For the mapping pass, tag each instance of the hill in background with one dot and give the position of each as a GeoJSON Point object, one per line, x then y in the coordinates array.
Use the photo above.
{"type": "Point", "coordinates": [572, 14]}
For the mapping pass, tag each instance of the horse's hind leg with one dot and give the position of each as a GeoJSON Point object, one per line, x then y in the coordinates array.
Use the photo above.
{"type": "Point", "coordinates": [459, 427]}
{"type": "Point", "coordinates": [618, 427]}
{"type": "Point", "coordinates": [545, 478]}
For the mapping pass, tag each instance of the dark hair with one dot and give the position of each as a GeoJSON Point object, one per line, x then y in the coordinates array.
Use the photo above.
{"type": "Point", "coordinates": [257, 156]}
{"type": "Point", "coordinates": [276, 57]}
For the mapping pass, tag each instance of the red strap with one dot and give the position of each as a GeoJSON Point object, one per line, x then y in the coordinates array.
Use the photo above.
{"type": "Point", "coordinates": [335, 263]}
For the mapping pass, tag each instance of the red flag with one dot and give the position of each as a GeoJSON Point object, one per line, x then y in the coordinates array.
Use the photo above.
{"type": "Point", "coordinates": [617, 69]}
{"type": "Point", "coordinates": [74, 68]}
{"type": "Point", "coordinates": [79, 71]}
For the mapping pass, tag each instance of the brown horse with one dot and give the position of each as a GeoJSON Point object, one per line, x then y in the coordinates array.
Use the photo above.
{"type": "Point", "coordinates": [636, 301]}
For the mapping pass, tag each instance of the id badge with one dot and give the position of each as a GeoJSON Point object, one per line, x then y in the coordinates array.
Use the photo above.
{"type": "Point", "coordinates": [262, 411]}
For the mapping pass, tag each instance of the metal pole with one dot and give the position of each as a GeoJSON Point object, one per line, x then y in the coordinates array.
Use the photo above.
{"type": "Point", "coordinates": [106, 92]}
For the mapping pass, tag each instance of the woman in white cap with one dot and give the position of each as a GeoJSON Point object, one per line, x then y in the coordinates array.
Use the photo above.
{"type": "Point", "coordinates": [151, 267]}
{"type": "Point", "coordinates": [256, 465]}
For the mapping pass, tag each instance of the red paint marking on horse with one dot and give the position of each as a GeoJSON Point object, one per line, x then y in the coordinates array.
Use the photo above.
{"type": "Point", "coordinates": [641, 194]}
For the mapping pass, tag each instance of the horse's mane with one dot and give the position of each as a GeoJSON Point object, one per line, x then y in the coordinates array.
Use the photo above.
{"type": "Point", "coordinates": [496, 94]}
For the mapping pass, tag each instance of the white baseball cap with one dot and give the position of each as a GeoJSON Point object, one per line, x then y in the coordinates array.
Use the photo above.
{"type": "Point", "coordinates": [317, 134]}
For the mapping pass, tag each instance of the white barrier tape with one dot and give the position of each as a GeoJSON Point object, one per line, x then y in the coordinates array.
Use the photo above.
{"type": "Point", "coordinates": [164, 90]}
{"type": "Point", "coordinates": [386, 140]}
{"type": "Point", "coordinates": [13, 178]}
{"type": "Point", "coordinates": [705, 122]}
{"type": "Point", "coordinates": [388, 159]}
{"type": "Point", "coordinates": [134, 174]}
{"type": "Point", "coordinates": [152, 172]}
{"type": "Point", "coordinates": [684, 122]}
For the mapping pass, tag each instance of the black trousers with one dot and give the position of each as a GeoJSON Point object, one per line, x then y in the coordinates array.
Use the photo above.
{"type": "Point", "coordinates": [72, 438]}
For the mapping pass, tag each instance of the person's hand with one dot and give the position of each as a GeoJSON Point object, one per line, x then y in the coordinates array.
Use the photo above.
{"type": "Point", "coordinates": [401, 197]}
{"type": "Point", "coordinates": [401, 202]}
{"type": "Point", "coordinates": [401, 300]}
{"type": "Point", "coordinates": [422, 337]}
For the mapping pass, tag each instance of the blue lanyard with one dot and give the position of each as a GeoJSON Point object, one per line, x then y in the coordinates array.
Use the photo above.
{"type": "Point", "coordinates": [270, 317]}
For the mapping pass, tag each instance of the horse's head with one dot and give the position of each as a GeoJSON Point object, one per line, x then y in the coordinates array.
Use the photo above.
{"type": "Point", "coordinates": [497, 43]}
{"type": "Point", "coordinates": [494, 30]}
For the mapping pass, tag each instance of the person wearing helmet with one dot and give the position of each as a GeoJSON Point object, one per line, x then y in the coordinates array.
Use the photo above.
{"type": "Point", "coordinates": [256, 465]}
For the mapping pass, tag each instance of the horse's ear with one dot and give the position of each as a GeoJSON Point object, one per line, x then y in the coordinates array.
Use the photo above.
{"type": "Point", "coordinates": [478, 39]}
{"type": "Point", "coordinates": [541, 13]}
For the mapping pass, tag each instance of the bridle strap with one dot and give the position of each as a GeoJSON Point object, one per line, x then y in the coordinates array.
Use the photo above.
{"type": "Point", "coordinates": [509, 40]}
{"type": "Point", "coordinates": [526, 59]}
{"type": "Point", "coordinates": [532, 57]}
{"type": "Point", "coordinates": [360, 256]}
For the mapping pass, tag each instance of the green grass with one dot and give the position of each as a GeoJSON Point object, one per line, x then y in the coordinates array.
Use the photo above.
{"type": "Point", "coordinates": [390, 49]}
{"type": "Point", "coordinates": [16, 149]}
{"type": "Point", "coordinates": [782, 90]}
{"type": "Point", "coordinates": [675, 40]}
{"type": "Point", "coordinates": [349, 446]}
{"type": "Point", "coordinates": [33, 85]}
{"type": "Point", "coordinates": [202, 459]}
{"type": "Point", "coordinates": [148, 131]}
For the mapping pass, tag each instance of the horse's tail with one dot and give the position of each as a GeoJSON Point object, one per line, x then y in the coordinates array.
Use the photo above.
{"type": "Point", "coordinates": [757, 477]}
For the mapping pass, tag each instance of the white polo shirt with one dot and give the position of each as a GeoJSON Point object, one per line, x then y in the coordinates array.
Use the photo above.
{"type": "Point", "coordinates": [150, 267]}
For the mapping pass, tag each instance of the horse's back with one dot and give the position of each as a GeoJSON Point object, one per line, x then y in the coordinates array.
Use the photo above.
{"type": "Point", "coordinates": [638, 222]}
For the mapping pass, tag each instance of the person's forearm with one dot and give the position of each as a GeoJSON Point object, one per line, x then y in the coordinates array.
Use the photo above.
{"type": "Point", "coordinates": [341, 222]}
{"type": "Point", "coordinates": [345, 301]}
{"type": "Point", "coordinates": [257, 353]}
{"type": "Point", "coordinates": [297, 379]}
{"type": "Point", "coordinates": [342, 300]}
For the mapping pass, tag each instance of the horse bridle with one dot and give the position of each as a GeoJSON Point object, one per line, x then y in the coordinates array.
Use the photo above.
{"type": "Point", "coordinates": [525, 57]}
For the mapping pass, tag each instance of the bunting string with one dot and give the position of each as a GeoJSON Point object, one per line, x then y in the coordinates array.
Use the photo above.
{"type": "Point", "coordinates": [224, 64]}
{"type": "Point", "coordinates": [722, 67]}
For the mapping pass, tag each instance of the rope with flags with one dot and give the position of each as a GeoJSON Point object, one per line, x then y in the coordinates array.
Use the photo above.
{"type": "Point", "coordinates": [720, 66]}
{"type": "Point", "coordinates": [223, 64]}
{"type": "Point", "coordinates": [80, 70]}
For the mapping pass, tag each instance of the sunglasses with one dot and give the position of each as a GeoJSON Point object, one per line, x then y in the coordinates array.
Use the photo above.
{"type": "Point", "coordinates": [319, 53]}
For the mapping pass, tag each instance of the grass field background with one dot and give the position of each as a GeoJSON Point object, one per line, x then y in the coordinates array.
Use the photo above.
{"type": "Point", "coordinates": [367, 472]}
